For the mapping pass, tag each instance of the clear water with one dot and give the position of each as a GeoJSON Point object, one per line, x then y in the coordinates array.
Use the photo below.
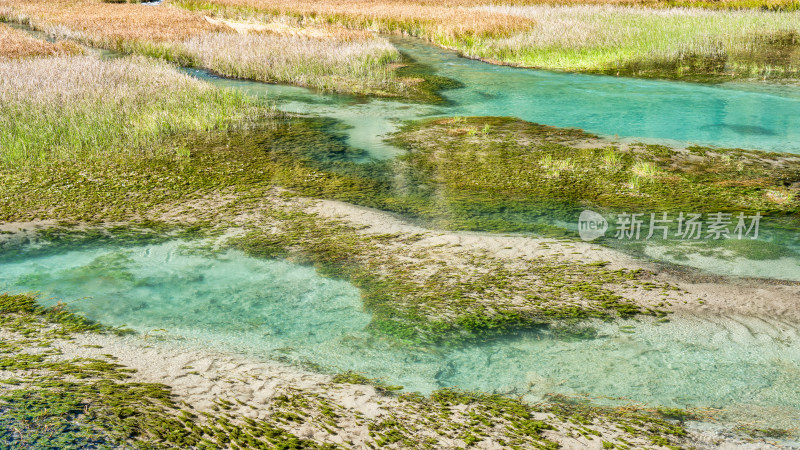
{"type": "Point", "coordinates": [733, 115]}
{"type": "Point", "coordinates": [266, 309]}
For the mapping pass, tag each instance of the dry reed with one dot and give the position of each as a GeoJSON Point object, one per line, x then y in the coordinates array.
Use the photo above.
{"type": "Point", "coordinates": [330, 63]}
{"type": "Point", "coordinates": [18, 44]}
{"type": "Point", "coordinates": [340, 60]}
{"type": "Point", "coordinates": [103, 23]}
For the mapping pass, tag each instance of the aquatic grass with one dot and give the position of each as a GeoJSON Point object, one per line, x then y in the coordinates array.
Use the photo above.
{"type": "Point", "coordinates": [611, 160]}
{"type": "Point", "coordinates": [53, 402]}
{"type": "Point", "coordinates": [78, 108]}
{"type": "Point", "coordinates": [644, 169]}
{"type": "Point", "coordinates": [448, 178]}
{"type": "Point", "coordinates": [516, 161]}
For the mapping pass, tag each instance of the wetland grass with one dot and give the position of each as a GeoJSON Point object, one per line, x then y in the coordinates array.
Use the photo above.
{"type": "Point", "coordinates": [78, 108]}
{"type": "Point", "coordinates": [331, 63]}
{"type": "Point", "coordinates": [617, 38]}
{"type": "Point", "coordinates": [16, 44]}
{"type": "Point", "coordinates": [337, 60]}
{"type": "Point", "coordinates": [677, 42]}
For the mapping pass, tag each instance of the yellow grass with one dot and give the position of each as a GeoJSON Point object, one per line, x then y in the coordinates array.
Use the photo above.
{"type": "Point", "coordinates": [325, 57]}
{"type": "Point", "coordinates": [103, 23]}
{"type": "Point", "coordinates": [16, 44]}
{"type": "Point", "coordinates": [425, 18]}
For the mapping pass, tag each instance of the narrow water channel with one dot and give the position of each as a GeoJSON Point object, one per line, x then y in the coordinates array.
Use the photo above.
{"type": "Point", "coordinates": [725, 115]}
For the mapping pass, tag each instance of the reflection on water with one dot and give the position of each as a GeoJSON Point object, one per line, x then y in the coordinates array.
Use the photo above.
{"type": "Point", "coordinates": [735, 115]}
{"type": "Point", "coordinates": [277, 310]}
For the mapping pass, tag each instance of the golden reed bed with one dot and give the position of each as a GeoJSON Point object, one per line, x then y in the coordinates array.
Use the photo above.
{"type": "Point", "coordinates": [98, 20]}
{"type": "Point", "coordinates": [16, 44]}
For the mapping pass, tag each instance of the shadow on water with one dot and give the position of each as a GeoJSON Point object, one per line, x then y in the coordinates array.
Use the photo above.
{"type": "Point", "coordinates": [746, 129]}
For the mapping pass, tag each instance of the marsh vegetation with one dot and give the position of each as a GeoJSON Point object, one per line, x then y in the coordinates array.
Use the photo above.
{"type": "Point", "coordinates": [16, 44]}
{"type": "Point", "coordinates": [647, 41]}
{"type": "Point", "coordinates": [129, 149]}
{"type": "Point", "coordinates": [335, 60]}
{"type": "Point", "coordinates": [79, 108]}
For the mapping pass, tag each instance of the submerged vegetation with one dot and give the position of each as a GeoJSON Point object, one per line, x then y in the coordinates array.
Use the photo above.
{"type": "Point", "coordinates": [516, 162]}
{"type": "Point", "coordinates": [55, 402]}
{"type": "Point", "coordinates": [432, 294]}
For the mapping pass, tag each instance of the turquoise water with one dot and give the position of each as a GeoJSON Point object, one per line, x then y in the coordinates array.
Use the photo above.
{"type": "Point", "coordinates": [729, 115]}
{"type": "Point", "coordinates": [266, 309]}
{"type": "Point", "coordinates": [737, 115]}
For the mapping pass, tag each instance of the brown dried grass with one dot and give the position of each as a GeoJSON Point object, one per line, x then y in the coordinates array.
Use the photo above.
{"type": "Point", "coordinates": [15, 44]}
{"type": "Point", "coordinates": [325, 57]}
{"type": "Point", "coordinates": [101, 22]}
{"type": "Point", "coordinates": [420, 17]}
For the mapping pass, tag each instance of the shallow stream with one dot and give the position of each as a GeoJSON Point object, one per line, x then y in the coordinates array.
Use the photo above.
{"type": "Point", "coordinates": [744, 368]}
{"type": "Point", "coordinates": [759, 117]}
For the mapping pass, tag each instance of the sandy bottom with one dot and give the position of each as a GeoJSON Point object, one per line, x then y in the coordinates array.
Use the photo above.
{"type": "Point", "coordinates": [701, 292]}
{"type": "Point", "coordinates": [199, 377]}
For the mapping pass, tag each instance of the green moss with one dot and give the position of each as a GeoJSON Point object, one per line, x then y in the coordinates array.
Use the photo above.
{"type": "Point", "coordinates": [516, 177]}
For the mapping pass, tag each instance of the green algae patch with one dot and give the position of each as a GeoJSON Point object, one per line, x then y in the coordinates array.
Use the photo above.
{"type": "Point", "coordinates": [491, 158]}
{"type": "Point", "coordinates": [87, 402]}
{"type": "Point", "coordinates": [491, 174]}
{"type": "Point", "coordinates": [451, 305]}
